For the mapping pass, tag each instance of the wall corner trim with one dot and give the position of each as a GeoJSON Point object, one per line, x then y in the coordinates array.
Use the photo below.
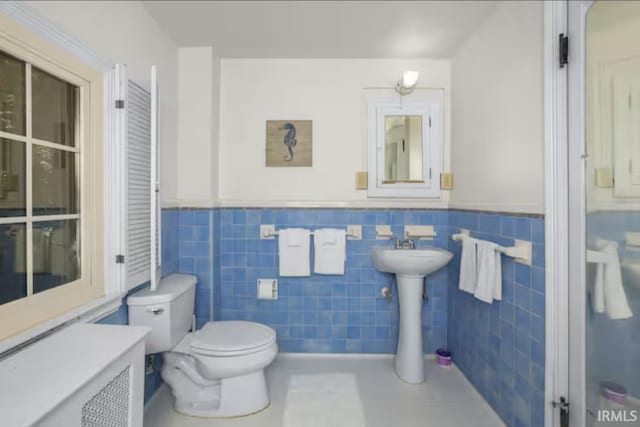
{"type": "Point", "coordinates": [26, 16]}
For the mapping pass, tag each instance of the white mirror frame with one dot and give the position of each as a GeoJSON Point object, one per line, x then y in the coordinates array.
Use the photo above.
{"type": "Point", "coordinates": [430, 108]}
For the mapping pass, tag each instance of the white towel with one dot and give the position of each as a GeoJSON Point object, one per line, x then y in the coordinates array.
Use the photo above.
{"type": "Point", "coordinates": [608, 292]}
{"type": "Point", "coordinates": [489, 272]}
{"type": "Point", "coordinates": [293, 252]}
{"type": "Point", "coordinates": [468, 266]}
{"type": "Point", "coordinates": [330, 245]}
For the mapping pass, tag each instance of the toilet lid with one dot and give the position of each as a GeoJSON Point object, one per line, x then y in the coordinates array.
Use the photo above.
{"type": "Point", "coordinates": [232, 335]}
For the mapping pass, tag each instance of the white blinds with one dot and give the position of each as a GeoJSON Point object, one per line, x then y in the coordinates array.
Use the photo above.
{"type": "Point", "coordinates": [138, 160]}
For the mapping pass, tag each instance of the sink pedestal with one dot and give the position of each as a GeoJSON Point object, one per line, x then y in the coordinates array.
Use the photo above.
{"type": "Point", "coordinates": [410, 267]}
{"type": "Point", "coordinates": [409, 362]}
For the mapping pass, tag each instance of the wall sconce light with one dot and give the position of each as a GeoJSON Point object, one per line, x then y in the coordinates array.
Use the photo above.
{"type": "Point", "coordinates": [407, 83]}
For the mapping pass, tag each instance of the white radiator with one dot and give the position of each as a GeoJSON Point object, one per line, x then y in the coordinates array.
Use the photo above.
{"type": "Point", "coordinates": [83, 376]}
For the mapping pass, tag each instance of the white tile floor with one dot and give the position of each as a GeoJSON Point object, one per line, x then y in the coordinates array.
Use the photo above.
{"type": "Point", "coordinates": [445, 399]}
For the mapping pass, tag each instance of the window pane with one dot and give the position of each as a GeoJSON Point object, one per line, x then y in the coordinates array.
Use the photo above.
{"type": "Point", "coordinates": [54, 108]}
{"type": "Point", "coordinates": [13, 249]}
{"type": "Point", "coordinates": [12, 178]}
{"type": "Point", "coordinates": [56, 254]}
{"type": "Point", "coordinates": [12, 95]}
{"type": "Point", "coordinates": [55, 187]}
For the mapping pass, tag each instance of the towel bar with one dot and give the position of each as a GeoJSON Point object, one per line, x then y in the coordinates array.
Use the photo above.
{"type": "Point", "coordinates": [271, 234]}
{"type": "Point", "coordinates": [521, 251]}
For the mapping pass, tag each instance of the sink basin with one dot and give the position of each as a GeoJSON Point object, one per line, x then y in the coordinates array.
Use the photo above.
{"type": "Point", "coordinates": [412, 262]}
{"type": "Point", "coordinates": [410, 267]}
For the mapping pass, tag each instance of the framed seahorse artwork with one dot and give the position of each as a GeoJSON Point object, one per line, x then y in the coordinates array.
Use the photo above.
{"type": "Point", "coordinates": [289, 143]}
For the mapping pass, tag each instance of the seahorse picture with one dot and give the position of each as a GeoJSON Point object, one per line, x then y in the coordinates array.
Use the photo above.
{"type": "Point", "coordinates": [289, 143]}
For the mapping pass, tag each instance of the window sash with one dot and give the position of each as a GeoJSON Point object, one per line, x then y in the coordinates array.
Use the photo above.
{"type": "Point", "coordinates": [30, 142]}
{"type": "Point", "coordinates": [24, 313]}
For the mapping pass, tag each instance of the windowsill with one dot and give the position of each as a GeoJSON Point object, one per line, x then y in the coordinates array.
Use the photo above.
{"type": "Point", "coordinates": [86, 313]}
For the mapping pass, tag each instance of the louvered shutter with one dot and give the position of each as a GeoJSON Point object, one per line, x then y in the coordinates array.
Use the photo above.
{"type": "Point", "coordinates": [138, 159]}
{"type": "Point", "coordinates": [143, 251]}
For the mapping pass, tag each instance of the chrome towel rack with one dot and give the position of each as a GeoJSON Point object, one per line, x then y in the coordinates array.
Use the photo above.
{"type": "Point", "coordinates": [276, 233]}
{"type": "Point", "coordinates": [521, 251]}
{"type": "Point", "coordinates": [268, 231]}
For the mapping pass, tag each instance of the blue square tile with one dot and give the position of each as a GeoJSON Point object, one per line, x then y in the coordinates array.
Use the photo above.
{"type": "Point", "coordinates": [489, 224]}
{"type": "Point", "coordinates": [523, 274]}
{"type": "Point", "coordinates": [538, 279]}
{"type": "Point", "coordinates": [537, 230]}
{"type": "Point", "coordinates": [353, 332]}
{"type": "Point", "coordinates": [537, 303]}
{"type": "Point", "coordinates": [538, 328]}
{"type": "Point", "coordinates": [523, 297]}
{"type": "Point", "coordinates": [523, 228]}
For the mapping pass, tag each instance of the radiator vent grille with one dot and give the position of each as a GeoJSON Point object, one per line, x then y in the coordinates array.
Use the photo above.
{"type": "Point", "coordinates": [110, 406]}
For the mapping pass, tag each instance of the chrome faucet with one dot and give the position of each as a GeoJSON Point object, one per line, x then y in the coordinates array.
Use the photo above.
{"type": "Point", "coordinates": [404, 244]}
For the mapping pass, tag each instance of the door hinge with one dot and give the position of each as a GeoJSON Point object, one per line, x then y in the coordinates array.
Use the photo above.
{"type": "Point", "coordinates": [429, 121]}
{"type": "Point", "coordinates": [119, 259]}
{"type": "Point", "coordinates": [563, 50]}
{"type": "Point", "coordinates": [563, 405]}
{"type": "Point", "coordinates": [119, 103]}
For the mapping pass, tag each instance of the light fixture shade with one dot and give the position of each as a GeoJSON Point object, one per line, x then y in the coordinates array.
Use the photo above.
{"type": "Point", "coordinates": [409, 79]}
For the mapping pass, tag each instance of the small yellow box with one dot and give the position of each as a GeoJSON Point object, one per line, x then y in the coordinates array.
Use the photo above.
{"type": "Point", "coordinates": [604, 178]}
{"type": "Point", "coordinates": [446, 181]}
{"type": "Point", "coordinates": [362, 180]}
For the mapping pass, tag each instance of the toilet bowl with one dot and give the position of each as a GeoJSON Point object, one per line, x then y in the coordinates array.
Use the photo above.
{"type": "Point", "coordinates": [217, 371]}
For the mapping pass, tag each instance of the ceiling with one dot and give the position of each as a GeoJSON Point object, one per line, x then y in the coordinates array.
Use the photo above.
{"type": "Point", "coordinates": [322, 29]}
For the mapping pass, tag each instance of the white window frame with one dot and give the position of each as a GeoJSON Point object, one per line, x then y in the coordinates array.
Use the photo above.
{"type": "Point", "coordinates": [430, 106]}
{"type": "Point", "coordinates": [32, 39]}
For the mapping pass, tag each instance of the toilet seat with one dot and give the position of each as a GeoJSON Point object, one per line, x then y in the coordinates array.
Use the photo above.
{"type": "Point", "coordinates": [231, 338]}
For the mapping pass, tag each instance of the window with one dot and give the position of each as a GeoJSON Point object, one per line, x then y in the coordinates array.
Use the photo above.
{"type": "Point", "coordinates": [50, 181]}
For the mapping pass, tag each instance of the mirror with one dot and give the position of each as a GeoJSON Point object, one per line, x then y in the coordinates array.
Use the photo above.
{"type": "Point", "coordinates": [404, 136]}
{"type": "Point", "coordinates": [403, 149]}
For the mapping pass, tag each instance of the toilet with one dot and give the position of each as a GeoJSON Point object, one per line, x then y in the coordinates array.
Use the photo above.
{"type": "Point", "coordinates": [217, 371]}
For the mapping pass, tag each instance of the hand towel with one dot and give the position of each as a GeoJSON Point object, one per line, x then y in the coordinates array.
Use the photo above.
{"type": "Point", "coordinates": [468, 266]}
{"type": "Point", "coordinates": [608, 292]}
{"type": "Point", "coordinates": [489, 272]}
{"type": "Point", "coordinates": [330, 246]}
{"type": "Point", "coordinates": [293, 252]}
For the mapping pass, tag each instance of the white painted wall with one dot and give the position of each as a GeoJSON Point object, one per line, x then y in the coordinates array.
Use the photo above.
{"type": "Point", "coordinates": [124, 32]}
{"type": "Point", "coordinates": [328, 91]}
{"type": "Point", "coordinates": [497, 113]}
{"type": "Point", "coordinates": [198, 115]}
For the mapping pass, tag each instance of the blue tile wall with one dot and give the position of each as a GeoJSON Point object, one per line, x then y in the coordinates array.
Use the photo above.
{"type": "Point", "coordinates": [170, 240]}
{"type": "Point", "coordinates": [324, 313]}
{"type": "Point", "coordinates": [500, 346]}
{"type": "Point", "coordinates": [196, 256]}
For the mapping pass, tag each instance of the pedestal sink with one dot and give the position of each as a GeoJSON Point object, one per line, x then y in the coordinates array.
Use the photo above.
{"type": "Point", "coordinates": [410, 267]}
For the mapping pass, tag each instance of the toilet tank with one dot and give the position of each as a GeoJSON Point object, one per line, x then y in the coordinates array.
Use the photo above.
{"type": "Point", "coordinates": [168, 311]}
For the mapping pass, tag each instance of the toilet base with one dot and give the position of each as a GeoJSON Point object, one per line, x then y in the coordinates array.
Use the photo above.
{"type": "Point", "coordinates": [233, 398]}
